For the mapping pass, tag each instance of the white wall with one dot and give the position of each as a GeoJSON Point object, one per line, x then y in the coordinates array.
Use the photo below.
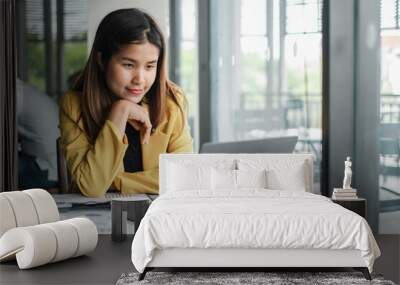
{"type": "Point", "coordinates": [158, 9]}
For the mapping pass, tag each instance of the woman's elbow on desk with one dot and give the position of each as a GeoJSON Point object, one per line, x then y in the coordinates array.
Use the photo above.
{"type": "Point", "coordinates": [91, 187]}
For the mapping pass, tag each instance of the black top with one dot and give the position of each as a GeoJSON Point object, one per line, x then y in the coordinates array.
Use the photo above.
{"type": "Point", "coordinates": [133, 155]}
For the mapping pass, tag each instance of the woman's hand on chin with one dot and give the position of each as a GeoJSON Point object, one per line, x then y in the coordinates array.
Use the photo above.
{"type": "Point", "coordinates": [139, 119]}
{"type": "Point", "coordinates": [124, 111]}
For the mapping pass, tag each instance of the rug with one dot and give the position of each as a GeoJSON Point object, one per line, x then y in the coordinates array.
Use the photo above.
{"type": "Point", "coordinates": [273, 278]}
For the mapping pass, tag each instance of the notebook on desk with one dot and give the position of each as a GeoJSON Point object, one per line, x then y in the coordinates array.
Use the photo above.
{"type": "Point", "coordinates": [118, 195]}
{"type": "Point", "coordinates": [71, 200]}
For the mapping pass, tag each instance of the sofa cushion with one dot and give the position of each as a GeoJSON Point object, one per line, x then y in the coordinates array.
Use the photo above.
{"type": "Point", "coordinates": [26, 208]}
{"type": "Point", "coordinates": [30, 230]}
{"type": "Point", "coordinates": [40, 244]}
{"type": "Point", "coordinates": [7, 215]}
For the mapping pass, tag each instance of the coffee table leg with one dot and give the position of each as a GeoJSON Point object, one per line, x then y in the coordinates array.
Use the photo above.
{"type": "Point", "coordinates": [118, 221]}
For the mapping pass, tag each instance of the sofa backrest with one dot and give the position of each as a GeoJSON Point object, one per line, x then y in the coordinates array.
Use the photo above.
{"type": "Point", "coordinates": [286, 171]}
{"type": "Point", "coordinates": [26, 208]}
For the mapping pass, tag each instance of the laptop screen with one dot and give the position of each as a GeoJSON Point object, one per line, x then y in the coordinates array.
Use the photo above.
{"type": "Point", "coordinates": [267, 145]}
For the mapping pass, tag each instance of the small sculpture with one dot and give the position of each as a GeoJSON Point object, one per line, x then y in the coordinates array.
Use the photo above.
{"type": "Point", "coordinates": [347, 174]}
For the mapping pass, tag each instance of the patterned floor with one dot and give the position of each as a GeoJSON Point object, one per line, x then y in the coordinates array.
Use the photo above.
{"type": "Point", "coordinates": [243, 278]}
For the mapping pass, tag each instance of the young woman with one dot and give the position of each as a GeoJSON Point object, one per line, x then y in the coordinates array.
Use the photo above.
{"type": "Point", "coordinates": [123, 112]}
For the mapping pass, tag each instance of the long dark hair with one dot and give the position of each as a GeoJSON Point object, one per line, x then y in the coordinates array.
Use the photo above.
{"type": "Point", "coordinates": [120, 27]}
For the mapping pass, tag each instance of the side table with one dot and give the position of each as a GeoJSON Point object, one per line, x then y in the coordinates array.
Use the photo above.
{"type": "Point", "coordinates": [128, 211]}
{"type": "Point", "coordinates": [358, 206]}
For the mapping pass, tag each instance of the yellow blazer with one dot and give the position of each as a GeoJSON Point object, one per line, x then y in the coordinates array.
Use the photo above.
{"type": "Point", "coordinates": [96, 168]}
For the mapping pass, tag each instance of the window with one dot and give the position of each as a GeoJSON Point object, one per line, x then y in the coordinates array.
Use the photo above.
{"type": "Point", "coordinates": [252, 57]}
{"type": "Point", "coordinates": [187, 63]}
{"type": "Point", "coordinates": [390, 14]}
{"type": "Point", "coordinates": [52, 48]}
{"type": "Point", "coordinates": [35, 41]}
{"type": "Point", "coordinates": [74, 40]}
{"type": "Point", "coordinates": [269, 81]}
{"type": "Point", "coordinates": [302, 75]}
{"type": "Point", "coordinates": [56, 48]}
{"type": "Point", "coordinates": [389, 128]}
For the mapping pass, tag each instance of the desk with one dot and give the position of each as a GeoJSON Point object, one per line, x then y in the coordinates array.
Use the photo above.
{"type": "Point", "coordinates": [104, 265]}
{"type": "Point", "coordinates": [96, 209]}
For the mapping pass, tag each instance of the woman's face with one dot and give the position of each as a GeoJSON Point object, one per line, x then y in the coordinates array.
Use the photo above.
{"type": "Point", "coordinates": [131, 72]}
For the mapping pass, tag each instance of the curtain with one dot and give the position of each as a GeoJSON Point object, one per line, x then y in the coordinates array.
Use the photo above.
{"type": "Point", "coordinates": [8, 123]}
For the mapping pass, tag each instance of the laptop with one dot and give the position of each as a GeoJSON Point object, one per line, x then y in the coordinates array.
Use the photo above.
{"type": "Point", "coordinates": [268, 145]}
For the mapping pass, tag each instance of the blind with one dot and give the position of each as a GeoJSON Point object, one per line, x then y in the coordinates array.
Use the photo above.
{"type": "Point", "coordinates": [303, 16]}
{"type": "Point", "coordinates": [390, 14]}
{"type": "Point", "coordinates": [34, 20]}
{"type": "Point", "coordinates": [75, 20]}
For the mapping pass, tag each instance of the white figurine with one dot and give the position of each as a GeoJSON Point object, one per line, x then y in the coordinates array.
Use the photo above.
{"type": "Point", "coordinates": [347, 174]}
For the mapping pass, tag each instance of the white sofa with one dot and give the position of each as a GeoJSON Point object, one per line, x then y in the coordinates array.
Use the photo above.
{"type": "Point", "coordinates": [199, 190]}
{"type": "Point", "coordinates": [31, 232]}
